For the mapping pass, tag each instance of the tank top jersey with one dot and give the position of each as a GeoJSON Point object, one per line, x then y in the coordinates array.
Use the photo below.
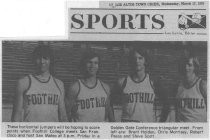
{"type": "Point", "coordinates": [41, 101]}
{"type": "Point", "coordinates": [91, 103]}
{"type": "Point", "coordinates": [190, 104]}
{"type": "Point", "coordinates": [140, 96]}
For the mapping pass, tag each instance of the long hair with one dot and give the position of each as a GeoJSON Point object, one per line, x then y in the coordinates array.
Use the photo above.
{"type": "Point", "coordinates": [185, 60]}
{"type": "Point", "coordinates": [44, 51]}
{"type": "Point", "coordinates": [142, 52]}
{"type": "Point", "coordinates": [89, 54]}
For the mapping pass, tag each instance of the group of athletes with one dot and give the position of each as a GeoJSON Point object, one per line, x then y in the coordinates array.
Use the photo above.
{"type": "Point", "coordinates": [40, 97]}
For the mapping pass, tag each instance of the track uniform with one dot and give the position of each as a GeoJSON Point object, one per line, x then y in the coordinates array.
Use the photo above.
{"type": "Point", "coordinates": [139, 99]}
{"type": "Point", "coordinates": [190, 104]}
{"type": "Point", "coordinates": [91, 103]}
{"type": "Point", "coordinates": [41, 101]}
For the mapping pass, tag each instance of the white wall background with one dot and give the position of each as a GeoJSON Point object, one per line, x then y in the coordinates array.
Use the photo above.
{"type": "Point", "coordinates": [36, 18]}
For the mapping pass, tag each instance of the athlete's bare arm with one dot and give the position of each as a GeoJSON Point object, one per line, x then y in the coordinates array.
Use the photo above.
{"type": "Point", "coordinates": [109, 110]}
{"type": "Point", "coordinates": [61, 105]}
{"type": "Point", "coordinates": [71, 101]}
{"type": "Point", "coordinates": [203, 86]}
{"type": "Point", "coordinates": [22, 86]}
{"type": "Point", "coordinates": [120, 86]}
{"type": "Point", "coordinates": [117, 96]}
{"type": "Point", "coordinates": [161, 93]}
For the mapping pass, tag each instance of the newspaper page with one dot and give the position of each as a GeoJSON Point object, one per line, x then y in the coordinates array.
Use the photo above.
{"type": "Point", "coordinates": [128, 70]}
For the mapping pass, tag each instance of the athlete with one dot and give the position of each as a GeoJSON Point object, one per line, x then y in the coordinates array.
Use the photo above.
{"type": "Point", "coordinates": [137, 91]}
{"type": "Point", "coordinates": [191, 98]}
{"type": "Point", "coordinates": [40, 96]}
{"type": "Point", "coordinates": [88, 97]}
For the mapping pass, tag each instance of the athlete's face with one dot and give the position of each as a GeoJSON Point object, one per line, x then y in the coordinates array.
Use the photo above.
{"type": "Point", "coordinates": [92, 66]}
{"type": "Point", "coordinates": [189, 67]}
{"type": "Point", "coordinates": [43, 64]}
{"type": "Point", "coordinates": [139, 61]}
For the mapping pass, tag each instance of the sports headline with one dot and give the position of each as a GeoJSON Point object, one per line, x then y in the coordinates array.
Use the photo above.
{"type": "Point", "coordinates": [186, 21]}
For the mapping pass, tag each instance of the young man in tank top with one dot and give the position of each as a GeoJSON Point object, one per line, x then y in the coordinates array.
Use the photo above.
{"type": "Point", "coordinates": [88, 97]}
{"type": "Point", "coordinates": [40, 96]}
{"type": "Point", "coordinates": [191, 97]}
{"type": "Point", "coordinates": [138, 91]}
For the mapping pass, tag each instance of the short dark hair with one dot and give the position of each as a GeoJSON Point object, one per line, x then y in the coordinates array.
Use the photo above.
{"type": "Point", "coordinates": [142, 52]}
{"type": "Point", "coordinates": [87, 55]}
{"type": "Point", "coordinates": [185, 60]}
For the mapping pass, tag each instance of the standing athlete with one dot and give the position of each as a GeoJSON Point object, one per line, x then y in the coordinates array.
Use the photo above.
{"type": "Point", "coordinates": [138, 91]}
{"type": "Point", "coordinates": [191, 98]}
{"type": "Point", "coordinates": [40, 96]}
{"type": "Point", "coordinates": [88, 97]}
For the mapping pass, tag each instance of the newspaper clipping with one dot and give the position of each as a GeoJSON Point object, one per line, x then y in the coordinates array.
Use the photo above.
{"type": "Point", "coordinates": [129, 69]}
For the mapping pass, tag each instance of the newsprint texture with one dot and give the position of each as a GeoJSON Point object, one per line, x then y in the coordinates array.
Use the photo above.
{"type": "Point", "coordinates": [129, 69]}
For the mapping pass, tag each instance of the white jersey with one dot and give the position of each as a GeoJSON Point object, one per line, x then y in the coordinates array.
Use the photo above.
{"type": "Point", "coordinates": [190, 104]}
{"type": "Point", "coordinates": [41, 101]}
{"type": "Point", "coordinates": [91, 103]}
{"type": "Point", "coordinates": [140, 96]}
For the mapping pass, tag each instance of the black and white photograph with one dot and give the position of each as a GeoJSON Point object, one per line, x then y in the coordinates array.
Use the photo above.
{"type": "Point", "coordinates": [95, 69]}
{"type": "Point", "coordinates": [69, 81]}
